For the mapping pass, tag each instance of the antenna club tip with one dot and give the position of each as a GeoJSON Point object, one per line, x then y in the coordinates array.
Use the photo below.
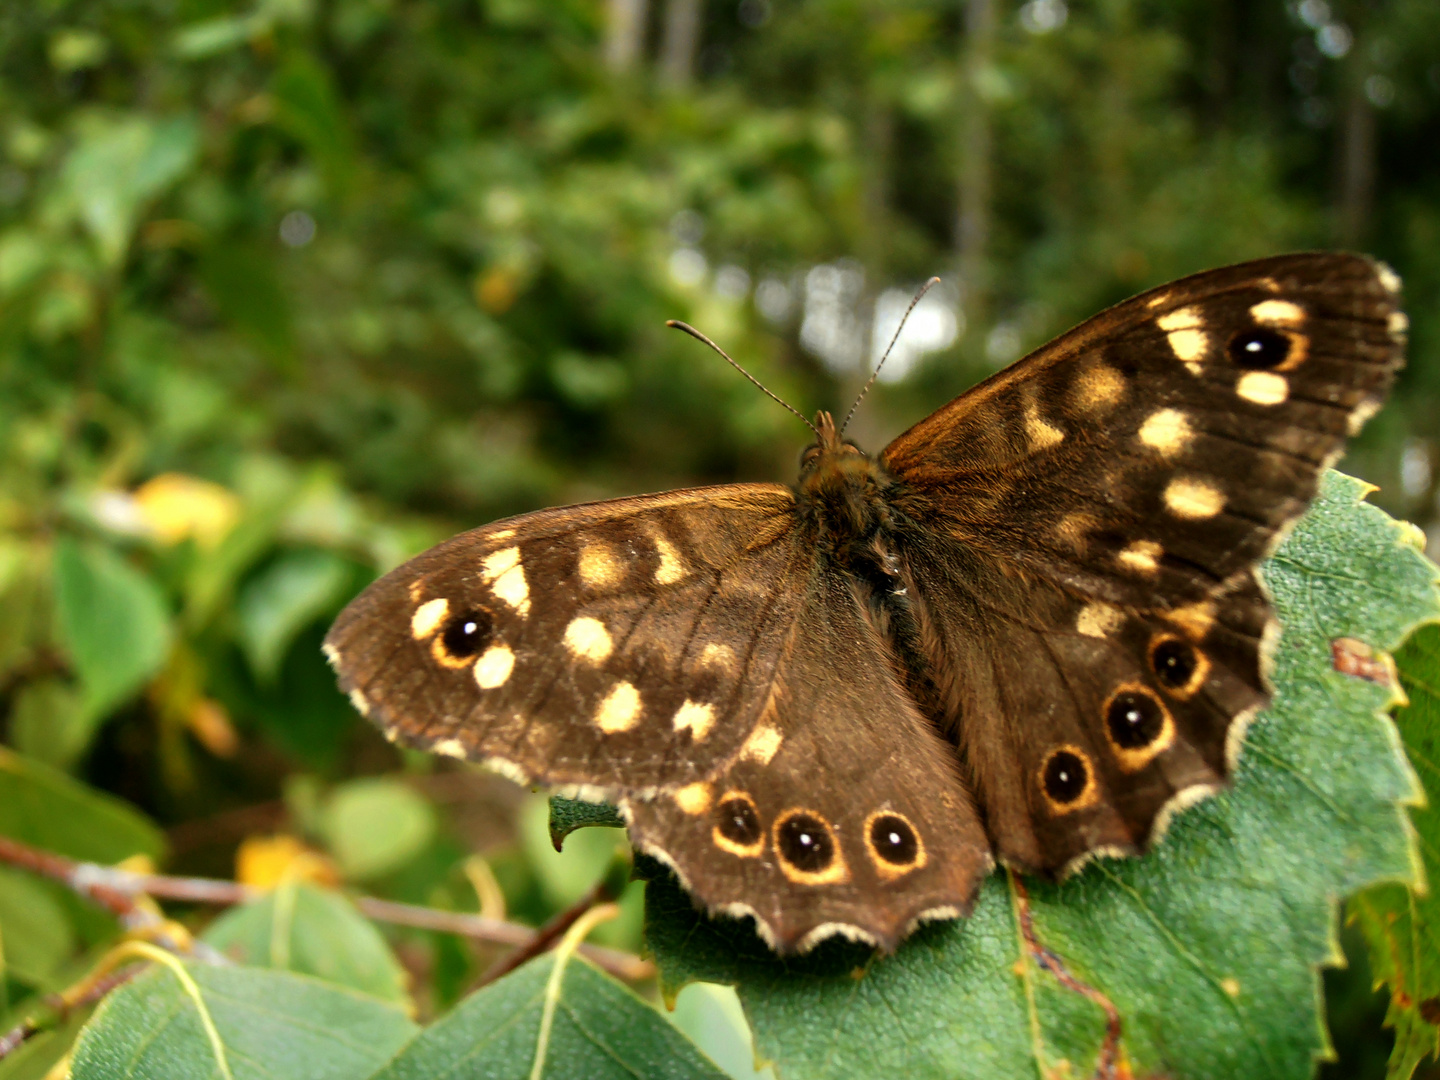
{"type": "Point", "coordinates": [674, 324]}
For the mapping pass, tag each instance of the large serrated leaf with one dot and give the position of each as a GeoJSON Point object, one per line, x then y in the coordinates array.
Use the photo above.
{"type": "Point", "coordinates": [1198, 960]}
{"type": "Point", "coordinates": [1402, 925]}
{"type": "Point", "coordinates": [300, 927]}
{"type": "Point", "coordinates": [600, 1030]}
{"type": "Point", "coordinates": [271, 1025]}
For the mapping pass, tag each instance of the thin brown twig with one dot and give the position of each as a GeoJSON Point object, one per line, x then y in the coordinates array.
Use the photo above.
{"type": "Point", "coordinates": [117, 890]}
{"type": "Point", "coordinates": [547, 935]}
{"type": "Point", "coordinates": [86, 992]}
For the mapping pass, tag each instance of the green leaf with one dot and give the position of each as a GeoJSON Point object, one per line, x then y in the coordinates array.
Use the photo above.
{"type": "Point", "coordinates": [567, 815]}
{"type": "Point", "coordinates": [600, 1030]}
{"type": "Point", "coordinates": [49, 722]}
{"type": "Point", "coordinates": [35, 933]}
{"type": "Point", "coordinates": [1206, 948]}
{"type": "Point", "coordinates": [120, 164]}
{"type": "Point", "coordinates": [1402, 925]}
{"type": "Point", "coordinates": [376, 824]}
{"type": "Point", "coordinates": [280, 601]}
{"type": "Point", "coordinates": [47, 809]}
{"type": "Point", "coordinates": [299, 927]}
{"type": "Point", "coordinates": [270, 1024]}
{"type": "Point", "coordinates": [113, 621]}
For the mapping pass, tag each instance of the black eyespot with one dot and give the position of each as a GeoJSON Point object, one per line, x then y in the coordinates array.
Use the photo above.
{"type": "Point", "coordinates": [1174, 662]}
{"type": "Point", "coordinates": [804, 842]}
{"type": "Point", "coordinates": [466, 634]}
{"type": "Point", "coordinates": [1135, 719]}
{"type": "Point", "coordinates": [892, 839]}
{"type": "Point", "coordinates": [1065, 776]}
{"type": "Point", "coordinates": [737, 821]}
{"type": "Point", "coordinates": [1259, 349]}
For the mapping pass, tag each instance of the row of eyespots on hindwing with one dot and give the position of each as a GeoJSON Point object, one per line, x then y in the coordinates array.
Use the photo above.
{"type": "Point", "coordinates": [1137, 721]}
{"type": "Point", "coordinates": [805, 843]}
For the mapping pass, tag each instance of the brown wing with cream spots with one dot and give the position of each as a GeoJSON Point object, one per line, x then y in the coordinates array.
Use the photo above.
{"type": "Point", "coordinates": [1156, 450]}
{"type": "Point", "coordinates": [616, 646]}
{"type": "Point", "coordinates": [1080, 534]}
{"type": "Point", "coordinates": [843, 814]}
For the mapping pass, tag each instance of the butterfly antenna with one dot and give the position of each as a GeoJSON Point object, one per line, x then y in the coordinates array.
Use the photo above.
{"type": "Point", "coordinates": [876, 373]}
{"type": "Point", "coordinates": [698, 336]}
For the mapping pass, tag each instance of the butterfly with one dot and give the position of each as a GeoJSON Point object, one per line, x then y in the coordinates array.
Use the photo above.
{"type": "Point", "coordinates": [1030, 630]}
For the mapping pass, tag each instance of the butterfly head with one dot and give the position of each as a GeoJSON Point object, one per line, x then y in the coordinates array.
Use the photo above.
{"type": "Point", "coordinates": [836, 473]}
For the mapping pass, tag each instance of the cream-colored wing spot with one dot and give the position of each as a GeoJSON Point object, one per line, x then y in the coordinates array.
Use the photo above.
{"type": "Point", "coordinates": [718, 655]}
{"type": "Point", "coordinates": [672, 567]}
{"type": "Point", "coordinates": [1167, 430]}
{"type": "Point", "coordinates": [1361, 416]}
{"type": "Point", "coordinates": [694, 799]}
{"type": "Point", "coordinates": [1195, 619]}
{"type": "Point", "coordinates": [587, 639]}
{"type": "Point", "coordinates": [1263, 387]}
{"type": "Point", "coordinates": [1185, 331]}
{"type": "Point", "coordinates": [620, 710]}
{"type": "Point", "coordinates": [600, 567]}
{"type": "Point", "coordinates": [1097, 619]}
{"type": "Point", "coordinates": [1043, 434]}
{"type": "Point", "coordinates": [449, 748]}
{"type": "Point", "coordinates": [1194, 499]}
{"type": "Point", "coordinates": [357, 699]}
{"type": "Point", "coordinates": [762, 744]}
{"type": "Point", "coordinates": [428, 616]}
{"type": "Point", "coordinates": [1277, 313]}
{"type": "Point", "coordinates": [1389, 280]}
{"type": "Point", "coordinates": [1143, 556]}
{"type": "Point", "coordinates": [1073, 529]}
{"type": "Point", "coordinates": [1397, 324]}
{"type": "Point", "coordinates": [494, 667]}
{"type": "Point", "coordinates": [1099, 388]}
{"type": "Point", "coordinates": [696, 717]}
{"type": "Point", "coordinates": [503, 572]}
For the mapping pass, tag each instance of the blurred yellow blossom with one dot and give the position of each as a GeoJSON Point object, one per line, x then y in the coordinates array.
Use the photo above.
{"type": "Point", "coordinates": [175, 506]}
{"type": "Point", "coordinates": [266, 861]}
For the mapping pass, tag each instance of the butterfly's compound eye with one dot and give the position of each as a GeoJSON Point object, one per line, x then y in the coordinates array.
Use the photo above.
{"type": "Point", "coordinates": [1260, 349]}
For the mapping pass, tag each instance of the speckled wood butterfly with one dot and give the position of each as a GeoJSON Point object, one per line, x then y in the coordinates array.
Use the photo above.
{"type": "Point", "coordinates": [1030, 629]}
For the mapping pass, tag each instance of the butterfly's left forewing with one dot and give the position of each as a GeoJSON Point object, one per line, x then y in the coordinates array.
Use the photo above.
{"type": "Point", "coordinates": [618, 646]}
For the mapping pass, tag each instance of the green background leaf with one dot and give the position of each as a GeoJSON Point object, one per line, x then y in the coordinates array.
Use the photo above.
{"type": "Point", "coordinates": [1206, 947]}
{"type": "Point", "coordinates": [47, 809]}
{"type": "Point", "coordinates": [300, 927]}
{"type": "Point", "coordinates": [1403, 924]}
{"type": "Point", "coordinates": [113, 620]}
{"type": "Point", "coordinates": [274, 1025]}
{"type": "Point", "coordinates": [374, 825]}
{"type": "Point", "coordinates": [601, 1031]}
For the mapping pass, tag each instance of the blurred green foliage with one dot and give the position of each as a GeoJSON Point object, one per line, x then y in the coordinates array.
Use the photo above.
{"type": "Point", "coordinates": [291, 289]}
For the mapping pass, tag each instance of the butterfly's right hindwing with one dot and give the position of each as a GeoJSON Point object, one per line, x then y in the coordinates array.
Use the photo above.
{"type": "Point", "coordinates": [619, 646]}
